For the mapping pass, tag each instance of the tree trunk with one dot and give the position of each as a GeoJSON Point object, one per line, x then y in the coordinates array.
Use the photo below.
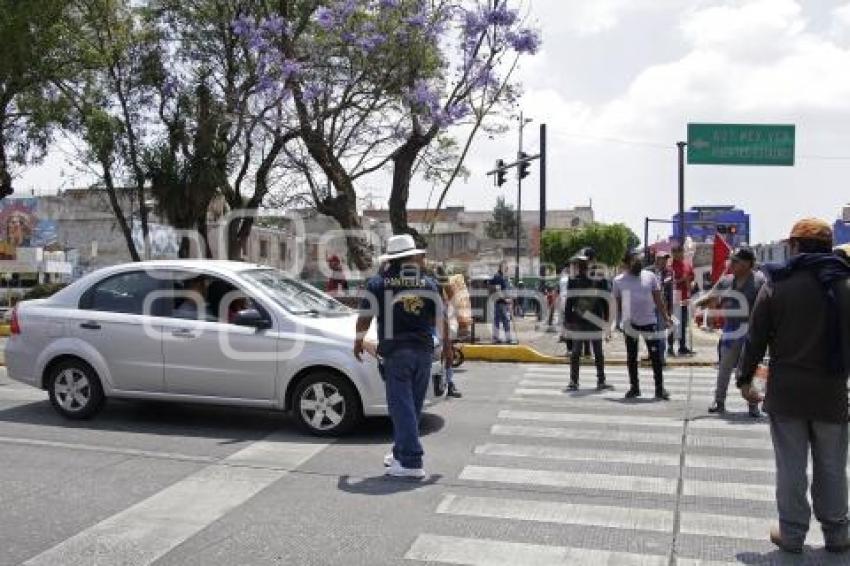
{"type": "Point", "coordinates": [403, 164]}
{"type": "Point", "coordinates": [119, 213]}
{"type": "Point", "coordinates": [5, 176]}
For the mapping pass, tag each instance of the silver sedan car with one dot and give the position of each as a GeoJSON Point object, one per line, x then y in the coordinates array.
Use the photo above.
{"type": "Point", "coordinates": [201, 331]}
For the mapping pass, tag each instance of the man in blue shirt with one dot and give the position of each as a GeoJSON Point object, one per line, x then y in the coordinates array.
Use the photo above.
{"type": "Point", "coordinates": [498, 285]}
{"type": "Point", "coordinates": [405, 302]}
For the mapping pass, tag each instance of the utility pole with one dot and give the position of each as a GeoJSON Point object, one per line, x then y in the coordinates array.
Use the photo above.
{"type": "Point", "coordinates": [681, 147]}
{"type": "Point", "coordinates": [520, 174]}
{"type": "Point", "coordinates": [542, 191]}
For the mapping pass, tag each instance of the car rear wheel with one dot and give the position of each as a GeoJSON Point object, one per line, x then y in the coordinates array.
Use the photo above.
{"type": "Point", "coordinates": [75, 390]}
{"type": "Point", "coordinates": [326, 404]}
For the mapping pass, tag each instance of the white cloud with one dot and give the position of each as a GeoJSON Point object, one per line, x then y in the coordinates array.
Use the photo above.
{"type": "Point", "coordinates": [588, 17]}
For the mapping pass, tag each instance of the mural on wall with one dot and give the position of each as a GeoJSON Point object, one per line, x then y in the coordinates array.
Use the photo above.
{"type": "Point", "coordinates": [21, 227]}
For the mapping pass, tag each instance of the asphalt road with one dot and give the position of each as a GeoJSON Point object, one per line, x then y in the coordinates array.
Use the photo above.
{"type": "Point", "coordinates": [521, 473]}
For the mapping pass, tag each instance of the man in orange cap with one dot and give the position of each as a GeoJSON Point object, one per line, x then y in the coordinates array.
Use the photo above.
{"type": "Point", "coordinates": [803, 315]}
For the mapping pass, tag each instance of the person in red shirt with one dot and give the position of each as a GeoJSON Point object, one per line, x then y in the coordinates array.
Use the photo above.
{"type": "Point", "coordinates": [336, 282]}
{"type": "Point", "coordinates": [683, 279]}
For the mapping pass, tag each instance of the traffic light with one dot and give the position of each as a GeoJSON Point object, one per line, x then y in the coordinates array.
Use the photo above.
{"type": "Point", "coordinates": [501, 172]}
{"type": "Point", "coordinates": [523, 165]}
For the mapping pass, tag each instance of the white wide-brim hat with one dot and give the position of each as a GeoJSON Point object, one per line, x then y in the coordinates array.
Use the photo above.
{"type": "Point", "coordinates": [400, 246]}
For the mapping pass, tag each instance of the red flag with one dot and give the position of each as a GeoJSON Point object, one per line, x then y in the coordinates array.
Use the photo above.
{"type": "Point", "coordinates": [722, 251]}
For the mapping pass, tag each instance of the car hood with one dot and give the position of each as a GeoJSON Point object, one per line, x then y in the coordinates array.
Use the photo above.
{"type": "Point", "coordinates": [337, 328]}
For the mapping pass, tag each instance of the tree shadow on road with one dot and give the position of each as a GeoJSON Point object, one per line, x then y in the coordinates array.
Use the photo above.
{"type": "Point", "coordinates": [384, 485]}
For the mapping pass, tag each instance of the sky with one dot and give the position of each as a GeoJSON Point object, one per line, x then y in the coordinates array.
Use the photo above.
{"type": "Point", "coordinates": [617, 82]}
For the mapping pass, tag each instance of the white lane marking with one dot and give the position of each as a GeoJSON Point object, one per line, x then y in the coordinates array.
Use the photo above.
{"type": "Point", "coordinates": [713, 423]}
{"type": "Point", "coordinates": [614, 401]}
{"type": "Point", "coordinates": [700, 562]}
{"type": "Point", "coordinates": [619, 420]}
{"type": "Point", "coordinates": [734, 526]}
{"type": "Point", "coordinates": [577, 454]}
{"type": "Point", "coordinates": [586, 434]}
{"type": "Point", "coordinates": [107, 449]}
{"type": "Point", "coordinates": [578, 480]}
{"type": "Point", "coordinates": [488, 552]}
{"type": "Point", "coordinates": [148, 530]}
{"type": "Point", "coordinates": [633, 519]}
{"type": "Point", "coordinates": [724, 490]}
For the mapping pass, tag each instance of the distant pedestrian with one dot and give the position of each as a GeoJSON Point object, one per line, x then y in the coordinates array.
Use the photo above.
{"type": "Point", "coordinates": [734, 293]}
{"type": "Point", "coordinates": [587, 318]}
{"type": "Point", "coordinates": [683, 278]}
{"type": "Point", "coordinates": [802, 315]}
{"type": "Point", "coordinates": [407, 302]}
{"type": "Point", "coordinates": [638, 295]}
{"type": "Point", "coordinates": [337, 282]}
{"type": "Point", "coordinates": [501, 316]}
{"type": "Point", "coordinates": [661, 268]}
{"type": "Point", "coordinates": [448, 342]}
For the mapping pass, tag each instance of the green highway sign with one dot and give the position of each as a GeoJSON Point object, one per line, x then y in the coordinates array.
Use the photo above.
{"type": "Point", "coordinates": [740, 144]}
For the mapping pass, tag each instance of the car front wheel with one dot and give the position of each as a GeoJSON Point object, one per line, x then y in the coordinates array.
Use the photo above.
{"type": "Point", "coordinates": [326, 404]}
{"type": "Point", "coordinates": [75, 390]}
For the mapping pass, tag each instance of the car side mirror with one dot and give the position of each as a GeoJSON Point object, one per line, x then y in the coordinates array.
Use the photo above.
{"type": "Point", "coordinates": [252, 318]}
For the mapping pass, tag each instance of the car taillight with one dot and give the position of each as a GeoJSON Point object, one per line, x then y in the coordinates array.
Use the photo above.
{"type": "Point", "coordinates": [14, 325]}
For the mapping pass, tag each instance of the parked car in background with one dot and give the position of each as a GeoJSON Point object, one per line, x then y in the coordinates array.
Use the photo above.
{"type": "Point", "coordinates": [201, 331]}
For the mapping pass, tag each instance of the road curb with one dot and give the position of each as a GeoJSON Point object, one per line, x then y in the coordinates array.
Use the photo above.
{"type": "Point", "coordinates": [519, 353]}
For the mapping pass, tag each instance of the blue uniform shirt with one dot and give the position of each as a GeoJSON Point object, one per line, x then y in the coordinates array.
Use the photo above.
{"type": "Point", "coordinates": [407, 309]}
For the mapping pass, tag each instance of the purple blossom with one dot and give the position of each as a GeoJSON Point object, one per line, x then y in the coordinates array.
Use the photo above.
{"type": "Point", "coordinates": [312, 91]}
{"type": "Point", "coordinates": [425, 97]}
{"type": "Point", "coordinates": [325, 18]}
{"type": "Point", "coordinates": [372, 42]}
{"type": "Point", "coordinates": [501, 16]}
{"type": "Point", "coordinates": [419, 20]}
{"type": "Point", "coordinates": [274, 27]}
{"type": "Point", "coordinates": [243, 26]}
{"type": "Point", "coordinates": [289, 68]}
{"type": "Point", "coordinates": [389, 4]}
{"type": "Point", "coordinates": [525, 41]}
{"type": "Point", "coordinates": [257, 43]}
{"type": "Point", "coordinates": [473, 24]}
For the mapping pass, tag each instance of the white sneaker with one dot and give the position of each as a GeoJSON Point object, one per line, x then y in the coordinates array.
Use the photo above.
{"type": "Point", "coordinates": [399, 471]}
{"type": "Point", "coordinates": [389, 460]}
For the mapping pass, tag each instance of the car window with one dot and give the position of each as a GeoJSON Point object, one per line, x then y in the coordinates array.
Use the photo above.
{"type": "Point", "coordinates": [295, 296]}
{"type": "Point", "coordinates": [124, 293]}
{"type": "Point", "coordinates": [209, 298]}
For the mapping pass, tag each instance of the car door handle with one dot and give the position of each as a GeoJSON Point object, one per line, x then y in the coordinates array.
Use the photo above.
{"type": "Point", "coordinates": [183, 333]}
{"type": "Point", "coordinates": [90, 325]}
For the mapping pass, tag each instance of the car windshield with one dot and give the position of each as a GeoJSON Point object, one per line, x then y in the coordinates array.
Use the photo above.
{"type": "Point", "coordinates": [296, 296]}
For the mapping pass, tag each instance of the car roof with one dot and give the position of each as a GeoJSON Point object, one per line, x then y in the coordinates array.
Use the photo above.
{"type": "Point", "coordinates": [211, 264]}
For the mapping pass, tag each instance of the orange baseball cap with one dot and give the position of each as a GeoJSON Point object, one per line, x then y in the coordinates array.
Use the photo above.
{"type": "Point", "coordinates": [812, 229]}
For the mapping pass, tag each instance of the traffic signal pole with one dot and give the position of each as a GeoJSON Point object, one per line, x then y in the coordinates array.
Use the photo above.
{"type": "Point", "coordinates": [542, 191]}
{"type": "Point", "coordinates": [681, 147]}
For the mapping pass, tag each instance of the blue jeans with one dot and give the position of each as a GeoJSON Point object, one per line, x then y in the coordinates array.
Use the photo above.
{"type": "Point", "coordinates": [408, 375]}
{"type": "Point", "coordinates": [500, 318]}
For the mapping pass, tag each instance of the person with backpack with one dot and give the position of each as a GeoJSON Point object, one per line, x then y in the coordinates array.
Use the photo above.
{"type": "Point", "coordinates": [802, 315]}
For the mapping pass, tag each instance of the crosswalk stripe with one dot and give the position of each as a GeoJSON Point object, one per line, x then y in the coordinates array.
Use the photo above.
{"type": "Point", "coordinates": [756, 443]}
{"type": "Point", "coordinates": [145, 532]}
{"type": "Point", "coordinates": [586, 434]}
{"type": "Point", "coordinates": [589, 382]}
{"type": "Point", "coordinates": [577, 454]}
{"type": "Point", "coordinates": [630, 518]}
{"type": "Point", "coordinates": [755, 431]}
{"type": "Point", "coordinates": [610, 402]}
{"type": "Point", "coordinates": [701, 461]}
{"type": "Point", "coordinates": [733, 526]}
{"type": "Point", "coordinates": [560, 385]}
{"type": "Point", "coordinates": [548, 416]}
{"type": "Point", "coordinates": [536, 392]}
{"type": "Point", "coordinates": [728, 490]}
{"type": "Point", "coordinates": [700, 562]}
{"type": "Point", "coordinates": [603, 482]}
{"type": "Point", "coordinates": [488, 552]}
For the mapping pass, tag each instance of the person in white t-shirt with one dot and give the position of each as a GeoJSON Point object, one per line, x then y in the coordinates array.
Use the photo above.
{"type": "Point", "coordinates": [638, 295]}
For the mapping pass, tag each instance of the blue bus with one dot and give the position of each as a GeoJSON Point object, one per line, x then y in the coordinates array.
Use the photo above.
{"type": "Point", "coordinates": [703, 222]}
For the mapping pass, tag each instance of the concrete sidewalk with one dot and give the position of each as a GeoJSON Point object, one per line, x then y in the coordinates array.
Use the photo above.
{"type": "Point", "coordinates": [534, 336]}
